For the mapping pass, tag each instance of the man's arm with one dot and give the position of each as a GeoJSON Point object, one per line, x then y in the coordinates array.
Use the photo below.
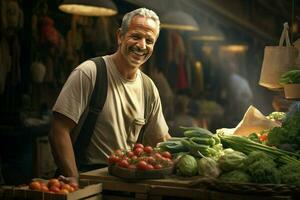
{"type": "Point", "coordinates": [61, 145]}
{"type": "Point", "coordinates": [154, 141]}
{"type": "Point", "coordinates": [166, 137]}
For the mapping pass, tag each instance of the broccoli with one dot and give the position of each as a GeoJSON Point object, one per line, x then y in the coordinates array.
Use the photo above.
{"type": "Point", "coordinates": [290, 173]}
{"type": "Point", "coordinates": [288, 133]}
{"type": "Point", "coordinates": [235, 176]}
{"type": "Point", "coordinates": [262, 168]}
{"type": "Point", "coordinates": [257, 156]}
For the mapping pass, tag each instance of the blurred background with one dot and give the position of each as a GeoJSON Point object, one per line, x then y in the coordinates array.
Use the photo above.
{"type": "Point", "coordinates": [206, 64]}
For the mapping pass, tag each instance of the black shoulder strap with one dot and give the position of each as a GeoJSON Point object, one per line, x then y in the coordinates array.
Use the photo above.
{"type": "Point", "coordinates": [148, 94]}
{"type": "Point", "coordinates": [96, 104]}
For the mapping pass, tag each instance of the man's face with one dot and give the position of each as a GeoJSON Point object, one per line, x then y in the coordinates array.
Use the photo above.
{"type": "Point", "coordinates": [137, 44]}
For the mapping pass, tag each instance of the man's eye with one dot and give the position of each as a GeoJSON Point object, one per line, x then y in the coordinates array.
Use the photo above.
{"type": "Point", "coordinates": [135, 37]}
{"type": "Point", "coordinates": [149, 41]}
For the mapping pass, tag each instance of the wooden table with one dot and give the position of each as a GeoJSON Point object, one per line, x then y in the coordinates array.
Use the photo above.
{"type": "Point", "coordinates": [172, 187]}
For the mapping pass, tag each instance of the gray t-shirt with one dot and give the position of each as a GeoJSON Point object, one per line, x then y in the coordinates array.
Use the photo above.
{"type": "Point", "coordinates": [122, 117]}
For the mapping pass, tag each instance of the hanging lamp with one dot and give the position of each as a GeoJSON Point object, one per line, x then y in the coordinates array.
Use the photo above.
{"type": "Point", "coordinates": [208, 33]}
{"type": "Point", "coordinates": [89, 7]}
{"type": "Point", "coordinates": [179, 20]}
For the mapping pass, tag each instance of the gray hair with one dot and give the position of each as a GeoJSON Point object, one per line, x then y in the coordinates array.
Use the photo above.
{"type": "Point", "coordinates": [141, 12]}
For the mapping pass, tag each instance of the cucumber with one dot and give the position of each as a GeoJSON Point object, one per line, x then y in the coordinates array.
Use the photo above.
{"type": "Point", "coordinates": [173, 146]}
{"type": "Point", "coordinates": [206, 141]}
{"type": "Point", "coordinates": [196, 146]}
{"type": "Point", "coordinates": [177, 138]}
{"type": "Point", "coordinates": [197, 129]}
{"type": "Point", "coordinates": [195, 133]}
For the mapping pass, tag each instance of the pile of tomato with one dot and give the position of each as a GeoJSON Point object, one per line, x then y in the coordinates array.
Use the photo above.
{"type": "Point", "coordinates": [53, 186]}
{"type": "Point", "coordinates": [141, 157]}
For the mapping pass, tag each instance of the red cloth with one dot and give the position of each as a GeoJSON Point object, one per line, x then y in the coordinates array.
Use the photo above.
{"type": "Point", "coordinates": [182, 82]}
{"type": "Point", "coordinates": [49, 34]}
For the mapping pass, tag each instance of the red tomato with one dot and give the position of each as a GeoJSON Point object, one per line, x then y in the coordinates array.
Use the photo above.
{"type": "Point", "coordinates": [113, 159]}
{"type": "Point", "coordinates": [132, 166]}
{"type": "Point", "coordinates": [138, 151]}
{"type": "Point", "coordinates": [150, 167]}
{"type": "Point", "coordinates": [134, 158]}
{"type": "Point", "coordinates": [263, 137]}
{"type": "Point", "coordinates": [138, 145]}
{"type": "Point", "coordinates": [157, 166]}
{"type": "Point", "coordinates": [148, 149]}
{"type": "Point", "coordinates": [157, 156]}
{"type": "Point", "coordinates": [166, 154]}
{"type": "Point", "coordinates": [63, 191]}
{"type": "Point", "coordinates": [44, 188]}
{"type": "Point", "coordinates": [54, 189]}
{"type": "Point", "coordinates": [35, 185]}
{"type": "Point", "coordinates": [67, 187]}
{"type": "Point", "coordinates": [119, 153]}
{"type": "Point", "coordinates": [54, 182]}
{"type": "Point", "coordinates": [142, 165]}
{"type": "Point", "coordinates": [130, 154]}
{"type": "Point", "coordinates": [151, 160]}
{"type": "Point", "coordinates": [123, 163]}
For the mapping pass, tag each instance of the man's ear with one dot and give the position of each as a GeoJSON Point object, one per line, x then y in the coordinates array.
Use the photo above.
{"type": "Point", "coordinates": [119, 35]}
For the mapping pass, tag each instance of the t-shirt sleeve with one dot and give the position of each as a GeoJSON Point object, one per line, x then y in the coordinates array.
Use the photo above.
{"type": "Point", "coordinates": [76, 92]}
{"type": "Point", "coordinates": [156, 126]}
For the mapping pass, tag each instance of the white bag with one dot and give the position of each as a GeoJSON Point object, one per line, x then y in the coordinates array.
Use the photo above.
{"type": "Point", "coordinates": [277, 60]}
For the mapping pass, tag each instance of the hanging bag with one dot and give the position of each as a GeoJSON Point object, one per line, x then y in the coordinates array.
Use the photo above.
{"type": "Point", "coordinates": [277, 60]}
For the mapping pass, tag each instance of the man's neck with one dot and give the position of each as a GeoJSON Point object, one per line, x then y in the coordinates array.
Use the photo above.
{"type": "Point", "coordinates": [125, 70]}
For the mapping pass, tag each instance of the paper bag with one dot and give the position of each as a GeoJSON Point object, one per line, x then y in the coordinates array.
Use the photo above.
{"type": "Point", "coordinates": [253, 122]}
{"type": "Point", "coordinates": [277, 60]}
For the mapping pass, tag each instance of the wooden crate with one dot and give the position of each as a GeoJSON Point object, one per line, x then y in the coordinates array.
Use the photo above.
{"type": "Point", "coordinates": [90, 191]}
{"type": "Point", "coordinates": [169, 188]}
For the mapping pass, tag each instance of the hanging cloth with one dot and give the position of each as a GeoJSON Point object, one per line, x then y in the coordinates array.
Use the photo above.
{"type": "Point", "coordinates": [182, 82]}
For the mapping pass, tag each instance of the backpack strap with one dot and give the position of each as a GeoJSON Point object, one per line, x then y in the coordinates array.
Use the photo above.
{"type": "Point", "coordinates": [96, 104]}
{"type": "Point", "coordinates": [148, 95]}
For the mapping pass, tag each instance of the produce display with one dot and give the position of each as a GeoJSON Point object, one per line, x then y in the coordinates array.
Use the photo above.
{"type": "Point", "coordinates": [258, 158]}
{"type": "Point", "coordinates": [233, 158]}
{"type": "Point", "coordinates": [140, 162]}
{"type": "Point", "coordinates": [52, 186]}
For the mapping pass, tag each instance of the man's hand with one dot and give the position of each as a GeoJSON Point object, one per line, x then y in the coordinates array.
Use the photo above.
{"type": "Point", "coordinates": [72, 181]}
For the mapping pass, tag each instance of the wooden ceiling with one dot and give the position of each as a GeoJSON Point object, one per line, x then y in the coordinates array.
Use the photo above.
{"type": "Point", "coordinates": [259, 19]}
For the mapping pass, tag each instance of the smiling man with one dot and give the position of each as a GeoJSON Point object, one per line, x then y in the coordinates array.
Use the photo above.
{"type": "Point", "coordinates": [132, 107]}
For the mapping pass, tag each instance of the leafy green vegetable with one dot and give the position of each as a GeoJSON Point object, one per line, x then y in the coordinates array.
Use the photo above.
{"type": "Point", "coordinates": [290, 77]}
{"type": "Point", "coordinates": [280, 116]}
{"type": "Point", "coordinates": [262, 168]}
{"type": "Point", "coordinates": [235, 176]}
{"type": "Point", "coordinates": [254, 137]}
{"type": "Point", "coordinates": [187, 166]}
{"type": "Point", "coordinates": [245, 145]}
{"type": "Point", "coordinates": [290, 174]}
{"type": "Point", "coordinates": [257, 156]}
{"type": "Point", "coordinates": [288, 133]}
{"type": "Point", "coordinates": [208, 167]}
{"type": "Point", "coordinates": [231, 160]}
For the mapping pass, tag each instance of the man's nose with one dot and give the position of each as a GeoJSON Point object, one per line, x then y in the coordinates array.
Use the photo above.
{"type": "Point", "coordinates": [142, 43]}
